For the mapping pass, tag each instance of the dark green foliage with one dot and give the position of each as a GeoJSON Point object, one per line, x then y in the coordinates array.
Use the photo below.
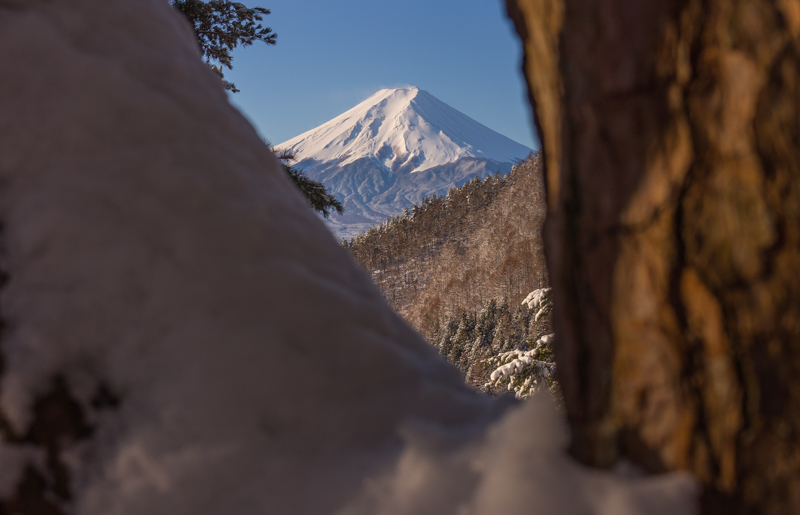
{"type": "Point", "coordinates": [451, 254]}
{"type": "Point", "coordinates": [470, 339]}
{"type": "Point", "coordinates": [221, 26]}
{"type": "Point", "coordinates": [319, 198]}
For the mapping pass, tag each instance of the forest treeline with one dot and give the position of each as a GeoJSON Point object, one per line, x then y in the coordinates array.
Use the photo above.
{"type": "Point", "coordinates": [479, 341]}
{"type": "Point", "coordinates": [457, 267]}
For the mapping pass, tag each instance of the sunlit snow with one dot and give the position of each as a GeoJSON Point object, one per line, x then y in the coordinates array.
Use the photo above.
{"type": "Point", "coordinates": [403, 126]}
{"type": "Point", "coordinates": [393, 150]}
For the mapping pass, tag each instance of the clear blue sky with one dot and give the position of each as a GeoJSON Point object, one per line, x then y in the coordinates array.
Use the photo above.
{"type": "Point", "coordinates": [331, 55]}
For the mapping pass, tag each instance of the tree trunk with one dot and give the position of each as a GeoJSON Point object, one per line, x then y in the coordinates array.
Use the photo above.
{"type": "Point", "coordinates": [671, 132]}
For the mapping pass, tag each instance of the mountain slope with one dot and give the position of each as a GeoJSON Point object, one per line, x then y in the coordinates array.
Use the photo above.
{"type": "Point", "coordinates": [454, 253]}
{"type": "Point", "coordinates": [458, 267]}
{"type": "Point", "coordinates": [395, 148]}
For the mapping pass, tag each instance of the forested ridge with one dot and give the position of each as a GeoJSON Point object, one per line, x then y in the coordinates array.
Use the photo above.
{"type": "Point", "coordinates": [457, 267]}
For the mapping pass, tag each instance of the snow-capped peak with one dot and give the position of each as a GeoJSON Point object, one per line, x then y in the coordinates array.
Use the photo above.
{"type": "Point", "coordinates": [402, 128]}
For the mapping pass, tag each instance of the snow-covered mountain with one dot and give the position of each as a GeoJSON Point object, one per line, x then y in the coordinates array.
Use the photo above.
{"type": "Point", "coordinates": [186, 337]}
{"type": "Point", "coordinates": [395, 148]}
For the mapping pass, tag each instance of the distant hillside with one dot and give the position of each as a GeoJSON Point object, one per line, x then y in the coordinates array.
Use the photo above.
{"type": "Point", "coordinates": [451, 258]}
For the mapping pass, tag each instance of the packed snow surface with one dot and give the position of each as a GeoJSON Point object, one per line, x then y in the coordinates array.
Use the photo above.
{"type": "Point", "coordinates": [155, 251]}
{"type": "Point", "coordinates": [402, 127]}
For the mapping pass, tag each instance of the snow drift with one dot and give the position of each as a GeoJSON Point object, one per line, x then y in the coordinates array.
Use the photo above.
{"type": "Point", "coordinates": [158, 258]}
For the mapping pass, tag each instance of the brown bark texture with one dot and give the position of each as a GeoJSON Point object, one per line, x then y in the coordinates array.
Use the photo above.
{"type": "Point", "coordinates": [671, 131]}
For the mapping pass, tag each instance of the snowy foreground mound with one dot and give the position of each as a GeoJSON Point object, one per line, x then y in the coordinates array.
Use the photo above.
{"type": "Point", "coordinates": [158, 258]}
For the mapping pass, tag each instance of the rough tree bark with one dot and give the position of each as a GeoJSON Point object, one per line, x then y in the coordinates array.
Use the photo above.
{"type": "Point", "coordinates": [671, 131]}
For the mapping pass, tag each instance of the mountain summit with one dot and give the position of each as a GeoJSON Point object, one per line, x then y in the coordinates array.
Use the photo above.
{"type": "Point", "coordinates": [395, 148]}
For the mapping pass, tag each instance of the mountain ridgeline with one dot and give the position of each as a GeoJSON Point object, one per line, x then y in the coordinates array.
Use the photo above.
{"type": "Point", "coordinates": [394, 149]}
{"type": "Point", "coordinates": [458, 266]}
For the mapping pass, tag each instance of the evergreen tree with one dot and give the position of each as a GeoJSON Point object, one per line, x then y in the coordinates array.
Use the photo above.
{"type": "Point", "coordinates": [446, 341]}
{"type": "Point", "coordinates": [319, 198]}
{"type": "Point", "coordinates": [221, 26]}
{"type": "Point", "coordinates": [496, 337]}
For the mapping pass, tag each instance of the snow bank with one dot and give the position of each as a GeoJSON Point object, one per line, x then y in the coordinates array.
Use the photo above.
{"type": "Point", "coordinates": [155, 250]}
{"type": "Point", "coordinates": [518, 467]}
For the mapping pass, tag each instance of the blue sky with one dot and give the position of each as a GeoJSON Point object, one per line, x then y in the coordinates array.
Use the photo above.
{"type": "Point", "coordinates": [331, 55]}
